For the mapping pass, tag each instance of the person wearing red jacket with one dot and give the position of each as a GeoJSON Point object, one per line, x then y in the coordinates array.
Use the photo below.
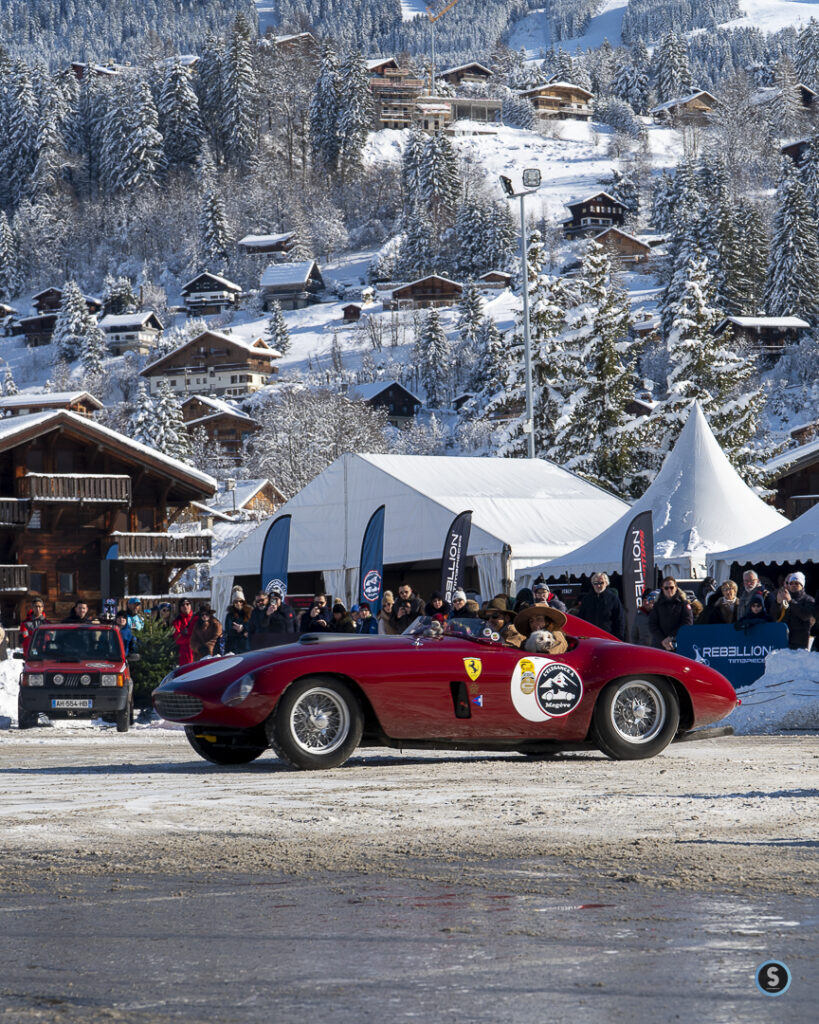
{"type": "Point", "coordinates": [36, 617]}
{"type": "Point", "coordinates": [183, 626]}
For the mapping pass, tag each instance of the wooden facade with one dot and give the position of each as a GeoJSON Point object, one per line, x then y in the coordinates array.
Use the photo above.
{"type": "Point", "coordinates": [25, 403]}
{"type": "Point", "coordinates": [795, 475]}
{"type": "Point", "coordinates": [132, 332]}
{"type": "Point", "coordinates": [591, 215]}
{"type": "Point", "coordinates": [208, 294]}
{"type": "Point", "coordinates": [694, 108]}
{"type": "Point", "coordinates": [223, 424]}
{"type": "Point", "coordinates": [560, 101]}
{"type": "Point", "coordinates": [796, 150]}
{"type": "Point", "coordinates": [84, 513]}
{"type": "Point", "coordinates": [495, 279]}
{"type": "Point", "coordinates": [764, 333]}
{"type": "Point", "coordinates": [394, 91]}
{"type": "Point", "coordinates": [627, 248]}
{"type": "Point", "coordinates": [292, 285]}
{"type": "Point", "coordinates": [39, 328]}
{"type": "Point", "coordinates": [351, 312]}
{"type": "Point", "coordinates": [432, 290]}
{"type": "Point", "coordinates": [268, 245]}
{"type": "Point", "coordinates": [465, 74]}
{"type": "Point", "coordinates": [214, 363]}
{"type": "Point", "coordinates": [400, 404]}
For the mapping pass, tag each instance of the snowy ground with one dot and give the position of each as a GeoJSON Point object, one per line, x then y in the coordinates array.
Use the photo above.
{"type": "Point", "coordinates": [532, 32]}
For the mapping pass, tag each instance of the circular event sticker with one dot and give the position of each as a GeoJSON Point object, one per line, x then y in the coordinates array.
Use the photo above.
{"type": "Point", "coordinates": [544, 689]}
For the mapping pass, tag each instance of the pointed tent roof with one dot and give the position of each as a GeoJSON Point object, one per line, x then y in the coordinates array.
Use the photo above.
{"type": "Point", "coordinates": [796, 543]}
{"type": "Point", "coordinates": [699, 502]}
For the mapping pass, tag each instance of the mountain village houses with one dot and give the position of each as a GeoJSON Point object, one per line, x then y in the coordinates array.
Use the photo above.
{"type": "Point", "coordinates": [214, 363]}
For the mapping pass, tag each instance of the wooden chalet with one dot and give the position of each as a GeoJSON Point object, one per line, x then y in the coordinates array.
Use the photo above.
{"type": "Point", "coordinates": [351, 312]}
{"type": "Point", "coordinates": [589, 215]}
{"type": "Point", "coordinates": [301, 43]}
{"type": "Point", "coordinates": [268, 245]}
{"type": "Point", "coordinates": [628, 249]}
{"type": "Point", "coordinates": [765, 333]}
{"type": "Point", "coordinates": [378, 65]}
{"type": "Point", "coordinates": [433, 113]}
{"type": "Point", "coordinates": [797, 150]}
{"type": "Point", "coordinates": [132, 332]}
{"type": "Point", "coordinates": [465, 74]}
{"type": "Point", "coordinates": [214, 363]}
{"type": "Point", "coordinates": [499, 279]}
{"type": "Point", "coordinates": [222, 422]}
{"type": "Point", "coordinates": [795, 475]}
{"type": "Point", "coordinates": [104, 70]}
{"type": "Point", "coordinates": [805, 95]}
{"type": "Point", "coordinates": [560, 100]}
{"type": "Point", "coordinates": [258, 498]}
{"type": "Point", "coordinates": [85, 513]}
{"type": "Point", "coordinates": [208, 294]}
{"type": "Point", "coordinates": [432, 290]}
{"type": "Point", "coordinates": [39, 328]}
{"type": "Point", "coordinates": [292, 285]}
{"type": "Point", "coordinates": [401, 405]}
{"type": "Point", "coordinates": [694, 108]}
{"type": "Point", "coordinates": [395, 91]}
{"type": "Point", "coordinates": [25, 403]}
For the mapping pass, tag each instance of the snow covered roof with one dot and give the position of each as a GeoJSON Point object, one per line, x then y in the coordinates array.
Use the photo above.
{"type": "Point", "coordinates": [223, 501]}
{"type": "Point", "coordinates": [427, 277]}
{"type": "Point", "coordinates": [594, 195]}
{"type": "Point", "coordinates": [47, 399]}
{"type": "Point", "coordinates": [536, 508]}
{"type": "Point", "coordinates": [259, 241]}
{"type": "Point", "coordinates": [776, 322]}
{"type": "Point", "coordinates": [792, 457]}
{"type": "Point", "coordinates": [17, 428]}
{"type": "Point", "coordinates": [257, 345]}
{"type": "Point", "coordinates": [284, 274]}
{"type": "Point", "coordinates": [374, 63]}
{"type": "Point", "coordinates": [496, 273]}
{"type": "Point", "coordinates": [365, 392]}
{"type": "Point", "coordinates": [796, 542]}
{"type": "Point", "coordinates": [699, 502]}
{"type": "Point", "coordinates": [679, 100]}
{"type": "Point", "coordinates": [113, 321]}
{"type": "Point", "coordinates": [537, 89]}
{"type": "Point", "coordinates": [463, 67]}
{"type": "Point", "coordinates": [218, 405]}
{"type": "Point", "coordinates": [231, 286]}
{"type": "Point", "coordinates": [625, 234]}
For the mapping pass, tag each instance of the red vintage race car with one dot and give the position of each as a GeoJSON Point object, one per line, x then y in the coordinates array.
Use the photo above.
{"type": "Point", "coordinates": [314, 701]}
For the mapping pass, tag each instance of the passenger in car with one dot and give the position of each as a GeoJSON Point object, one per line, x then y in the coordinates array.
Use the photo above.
{"type": "Point", "coordinates": [542, 617]}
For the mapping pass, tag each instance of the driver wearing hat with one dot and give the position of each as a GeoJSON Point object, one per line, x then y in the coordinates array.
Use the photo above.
{"type": "Point", "coordinates": [499, 616]}
{"type": "Point", "coordinates": [542, 617]}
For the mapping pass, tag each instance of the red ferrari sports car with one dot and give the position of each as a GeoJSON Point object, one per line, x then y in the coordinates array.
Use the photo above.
{"type": "Point", "coordinates": [317, 699]}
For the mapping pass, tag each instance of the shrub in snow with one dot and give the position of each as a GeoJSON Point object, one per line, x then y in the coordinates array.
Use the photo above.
{"type": "Point", "coordinates": [619, 115]}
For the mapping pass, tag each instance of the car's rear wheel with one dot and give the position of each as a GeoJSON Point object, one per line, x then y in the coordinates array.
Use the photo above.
{"type": "Point", "coordinates": [635, 718]}
{"type": "Point", "coordinates": [317, 723]}
{"type": "Point", "coordinates": [238, 746]}
{"type": "Point", "coordinates": [25, 719]}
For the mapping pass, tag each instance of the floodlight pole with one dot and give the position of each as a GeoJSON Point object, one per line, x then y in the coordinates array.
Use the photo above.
{"type": "Point", "coordinates": [529, 426]}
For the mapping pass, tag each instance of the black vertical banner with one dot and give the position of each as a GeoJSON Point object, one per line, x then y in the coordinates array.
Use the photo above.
{"type": "Point", "coordinates": [638, 565]}
{"type": "Point", "coordinates": [453, 560]}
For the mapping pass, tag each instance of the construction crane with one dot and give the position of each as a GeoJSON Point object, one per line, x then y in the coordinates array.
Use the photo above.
{"type": "Point", "coordinates": [434, 14]}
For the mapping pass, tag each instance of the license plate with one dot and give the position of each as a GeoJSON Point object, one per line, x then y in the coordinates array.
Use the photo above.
{"type": "Point", "coordinates": [58, 703]}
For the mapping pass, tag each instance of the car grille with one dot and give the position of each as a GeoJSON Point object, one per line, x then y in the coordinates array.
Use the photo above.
{"type": "Point", "coordinates": [72, 679]}
{"type": "Point", "coordinates": [176, 706]}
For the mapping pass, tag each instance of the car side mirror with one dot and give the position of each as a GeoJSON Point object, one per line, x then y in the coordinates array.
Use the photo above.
{"type": "Point", "coordinates": [133, 658]}
{"type": "Point", "coordinates": [18, 655]}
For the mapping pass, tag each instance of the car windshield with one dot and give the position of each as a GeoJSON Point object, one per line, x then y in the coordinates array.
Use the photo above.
{"type": "Point", "coordinates": [470, 628]}
{"type": "Point", "coordinates": [77, 644]}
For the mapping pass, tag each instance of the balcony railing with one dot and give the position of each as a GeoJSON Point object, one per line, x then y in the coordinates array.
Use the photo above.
{"type": "Point", "coordinates": [98, 489]}
{"type": "Point", "coordinates": [14, 511]}
{"type": "Point", "coordinates": [13, 579]}
{"type": "Point", "coordinates": [162, 547]}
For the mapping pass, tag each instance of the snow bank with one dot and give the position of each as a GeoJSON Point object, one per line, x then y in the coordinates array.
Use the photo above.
{"type": "Point", "coordinates": [9, 685]}
{"type": "Point", "coordinates": [785, 697]}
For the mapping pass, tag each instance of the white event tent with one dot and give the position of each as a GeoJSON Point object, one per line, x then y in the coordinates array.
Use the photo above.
{"type": "Point", "coordinates": [796, 543]}
{"type": "Point", "coordinates": [699, 502]}
{"type": "Point", "coordinates": [523, 510]}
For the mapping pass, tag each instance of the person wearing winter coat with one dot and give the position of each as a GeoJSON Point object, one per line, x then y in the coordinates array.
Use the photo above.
{"type": "Point", "coordinates": [724, 610]}
{"type": "Point", "coordinates": [237, 619]}
{"type": "Point", "coordinates": [125, 631]}
{"type": "Point", "coordinates": [367, 623]}
{"type": "Point", "coordinates": [751, 586]}
{"type": "Point", "coordinates": [385, 626]}
{"type": "Point", "coordinates": [272, 622]}
{"type": "Point", "coordinates": [641, 630]}
{"type": "Point", "coordinates": [205, 634]}
{"type": "Point", "coordinates": [36, 617]}
{"type": "Point", "coordinates": [436, 605]}
{"type": "Point", "coordinates": [797, 610]}
{"type": "Point", "coordinates": [342, 621]}
{"type": "Point", "coordinates": [182, 628]}
{"type": "Point", "coordinates": [602, 608]}
{"type": "Point", "coordinates": [317, 617]}
{"type": "Point", "coordinates": [458, 604]}
{"type": "Point", "coordinates": [542, 595]}
{"type": "Point", "coordinates": [756, 615]}
{"type": "Point", "coordinates": [406, 609]}
{"type": "Point", "coordinates": [671, 612]}
{"type": "Point", "coordinates": [80, 613]}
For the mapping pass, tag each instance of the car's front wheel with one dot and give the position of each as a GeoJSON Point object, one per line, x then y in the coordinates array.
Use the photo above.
{"type": "Point", "coordinates": [238, 746]}
{"type": "Point", "coordinates": [124, 718]}
{"type": "Point", "coordinates": [317, 723]}
{"type": "Point", "coordinates": [25, 719]}
{"type": "Point", "coordinates": [636, 718]}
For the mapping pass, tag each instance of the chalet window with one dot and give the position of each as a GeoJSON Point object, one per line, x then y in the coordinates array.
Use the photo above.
{"type": "Point", "coordinates": [35, 520]}
{"type": "Point", "coordinates": [37, 582]}
{"type": "Point", "coordinates": [173, 383]}
{"type": "Point", "coordinates": [66, 582]}
{"type": "Point", "coordinates": [34, 460]}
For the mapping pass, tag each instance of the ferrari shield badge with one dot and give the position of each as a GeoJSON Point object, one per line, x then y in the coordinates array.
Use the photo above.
{"type": "Point", "coordinates": [473, 667]}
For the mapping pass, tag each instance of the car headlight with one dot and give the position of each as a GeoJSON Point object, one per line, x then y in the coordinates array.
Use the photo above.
{"type": "Point", "coordinates": [109, 679]}
{"type": "Point", "coordinates": [238, 690]}
{"type": "Point", "coordinates": [33, 679]}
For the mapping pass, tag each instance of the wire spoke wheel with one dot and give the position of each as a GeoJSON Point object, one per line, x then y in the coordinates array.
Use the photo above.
{"type": "Point", "coordinates": [319, 721]}
{"type": "Point", "coordinates": [638, 711]}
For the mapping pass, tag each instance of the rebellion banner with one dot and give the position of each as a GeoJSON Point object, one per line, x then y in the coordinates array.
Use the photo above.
{"type": "Point", "coordinates": [371, 571]}
{"type": "Point", "coordinates": [275, 556]}
{"type": "Point", "coordinates": [638, 565]}
{"type": "Point", "coordinates": [453, 560]}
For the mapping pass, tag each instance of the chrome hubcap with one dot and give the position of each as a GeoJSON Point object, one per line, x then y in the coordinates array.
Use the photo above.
{"type": "Point", "coordinates": [319, 721]}
{"type": "Point", "coordinates": [638, 711]}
